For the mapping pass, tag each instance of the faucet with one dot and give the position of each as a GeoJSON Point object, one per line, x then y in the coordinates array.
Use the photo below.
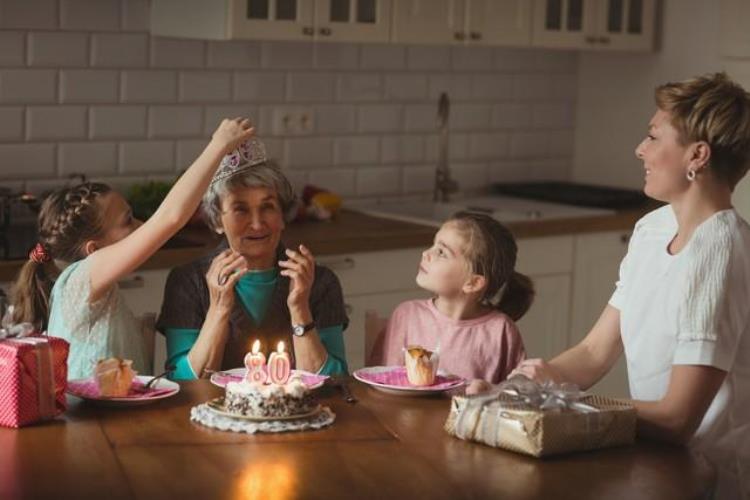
{"type": "Point", "coordinates": [444, 184]}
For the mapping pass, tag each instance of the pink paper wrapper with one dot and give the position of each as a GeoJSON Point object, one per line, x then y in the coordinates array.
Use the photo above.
{"type": "Point", "coordinates": [396, 377]}
{"type": "Point", "coordinates": [90, 390]}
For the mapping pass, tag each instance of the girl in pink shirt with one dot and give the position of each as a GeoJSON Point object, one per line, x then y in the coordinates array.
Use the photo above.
{"type": "Point", "coordinates": [477, 297]}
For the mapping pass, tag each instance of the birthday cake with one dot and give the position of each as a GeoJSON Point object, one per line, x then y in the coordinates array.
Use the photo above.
{"type": "Point", "coordinates": [253, 399]}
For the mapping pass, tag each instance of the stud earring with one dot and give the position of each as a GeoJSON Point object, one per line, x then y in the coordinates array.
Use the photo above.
{"type": "Point", "coordinates": [691, 175]}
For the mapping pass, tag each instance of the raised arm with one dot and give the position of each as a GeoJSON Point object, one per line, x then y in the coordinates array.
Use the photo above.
{"type": "Point", "coordinates": [114, 261]}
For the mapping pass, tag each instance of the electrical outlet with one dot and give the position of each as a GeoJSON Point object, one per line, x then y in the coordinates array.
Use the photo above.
{"type": "Point", "coordinates": [293, 121]}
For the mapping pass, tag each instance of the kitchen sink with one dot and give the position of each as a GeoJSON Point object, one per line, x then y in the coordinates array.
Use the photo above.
{"type": "Point", "coordinates": [501, 208]}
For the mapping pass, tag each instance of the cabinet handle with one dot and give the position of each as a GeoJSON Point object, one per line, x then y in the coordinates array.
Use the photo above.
{"type": "Point", "coordinates": [130, 283]}
{"type": "Point", "coordinates": [590, 39]}
{"type": "Point", "coordinates": [603, 39]}
{"type": "Point", "coordinates": [308, 30]}
{"type": "Point", "coordinates": [325, 31]}
{"type": "Point", "coordinates": [459, 35]}
{"type": "Point", "coordinates": [339, 264]}
{"type": "Point", "coordinates": [475, 35]}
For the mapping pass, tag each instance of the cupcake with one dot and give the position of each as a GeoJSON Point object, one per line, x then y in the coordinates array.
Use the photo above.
{"type": "Point", "coordinates": [421, 365]}
{"type": "Point", "coordinates": [114, 377]}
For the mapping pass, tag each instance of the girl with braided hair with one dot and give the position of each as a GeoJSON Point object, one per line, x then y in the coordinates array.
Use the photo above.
{"type": "Point", "coordinates": [88, 240]}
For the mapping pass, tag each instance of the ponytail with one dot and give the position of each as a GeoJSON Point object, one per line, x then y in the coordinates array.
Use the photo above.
{"type": "Point", "coordinates": [517, 296]}
{"type": "Point", "coordinates": [30, 294]}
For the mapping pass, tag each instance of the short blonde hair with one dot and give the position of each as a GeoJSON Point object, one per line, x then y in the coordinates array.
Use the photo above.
{"type": "Point", "coordinates": [714, 109]}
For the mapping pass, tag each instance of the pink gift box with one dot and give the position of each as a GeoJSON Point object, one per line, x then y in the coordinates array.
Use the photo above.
{"type": "Point", "coordinates": [33, 379]}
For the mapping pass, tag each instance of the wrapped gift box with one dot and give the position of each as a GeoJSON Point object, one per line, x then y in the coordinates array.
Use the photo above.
{"type": "Point", "coordinates": [33, 379]}
{"type": "Point", "coordinates": [510, 422]}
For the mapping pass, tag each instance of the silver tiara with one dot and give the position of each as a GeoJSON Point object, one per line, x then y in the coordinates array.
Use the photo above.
{"type": "Point", "coordinates": [250, 153]}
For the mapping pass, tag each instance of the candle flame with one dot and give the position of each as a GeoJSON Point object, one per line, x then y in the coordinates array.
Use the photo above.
{"type": "Point", "coordinates": [280, 347]}
{"type": "Point", "coordinates": [256, 346]}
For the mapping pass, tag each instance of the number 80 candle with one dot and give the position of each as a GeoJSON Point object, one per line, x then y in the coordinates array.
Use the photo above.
{"type": "Point", "coordinates": [279, 365]}
{"type": "Point", "coordinates": [255, 363]}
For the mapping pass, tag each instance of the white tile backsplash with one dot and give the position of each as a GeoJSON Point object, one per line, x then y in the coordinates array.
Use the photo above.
{"type": "Point", "coordinates": [148, 86]}
{"type": "Point", "coordinates": [57, 48]}
{"type": "Point", "coordinates": [89, 158]}
{"type": "Point", "coordinates": [56, 122]}
{"type": "Point", "coordinates": [89, 86]}
{"type": "Point", "coordinates": [84, 87]}
{"type": "Point", "coordinates": [119, 50]}
{"type": "Point", "coordinates": [115, 122]}
{"type": "Point", "coordinates": [102, 15]}
{"type": "Point", "coordinates": [146, 157]}
{"type": "Point", "coordinates": [205, 86]}
{"type": "Point", "coordinates": [26, 86]}
{"type": "Point", "coordinates": [28, 14]}
{"type": "Point", "coordinates": [13, 51]}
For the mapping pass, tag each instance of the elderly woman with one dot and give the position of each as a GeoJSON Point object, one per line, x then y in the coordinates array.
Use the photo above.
{"type": "Point", "coordinates": [251, 287]}
{"type": "Point", "coordinates": [681, 308]}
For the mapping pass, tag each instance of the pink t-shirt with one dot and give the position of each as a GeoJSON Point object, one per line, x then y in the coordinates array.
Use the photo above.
{"type": "Point", "coordinates": [487, 348]}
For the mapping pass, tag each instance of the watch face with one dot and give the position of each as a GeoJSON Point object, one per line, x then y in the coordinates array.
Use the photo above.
{"type": "Point", "coordinates": [298, 330]}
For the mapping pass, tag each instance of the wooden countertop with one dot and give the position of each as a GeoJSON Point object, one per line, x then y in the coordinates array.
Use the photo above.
{"type": "Point", "coordinates": [381, 447]}
{"type": "Point", "coordinates": [353, 232]}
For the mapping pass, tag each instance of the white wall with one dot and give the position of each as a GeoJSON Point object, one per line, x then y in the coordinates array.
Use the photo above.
{"type": "Point", "coordinates": [84, 88]}
{"type": "Point", "coordinates": [615, 93]}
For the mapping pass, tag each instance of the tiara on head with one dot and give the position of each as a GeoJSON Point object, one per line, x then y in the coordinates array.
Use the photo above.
{"type": "Point", "coordinates": [250, 153]}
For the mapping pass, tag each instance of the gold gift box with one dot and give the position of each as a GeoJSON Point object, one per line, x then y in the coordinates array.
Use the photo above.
{"type": "Point", "coordinates": [504, 422]}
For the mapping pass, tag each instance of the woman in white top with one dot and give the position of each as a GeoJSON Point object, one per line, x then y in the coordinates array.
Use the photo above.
{"type": "Point", "coordinates": [681, 308]}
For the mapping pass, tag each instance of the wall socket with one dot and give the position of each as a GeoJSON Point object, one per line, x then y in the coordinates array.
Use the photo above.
{"type": "Point", "coordinates": [293, 121]}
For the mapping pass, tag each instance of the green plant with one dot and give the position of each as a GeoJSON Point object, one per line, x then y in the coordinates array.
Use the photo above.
{"type": "Point", "coordinates": [145, 197]}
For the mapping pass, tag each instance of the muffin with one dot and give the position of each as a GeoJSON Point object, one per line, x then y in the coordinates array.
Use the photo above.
{"type": "Point", "coordinates": [421, 365]}
{"type": "Point", "coordinates": [114, 377]}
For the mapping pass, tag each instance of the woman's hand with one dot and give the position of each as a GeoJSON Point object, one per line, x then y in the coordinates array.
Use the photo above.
{"type": "Point", "coordinates": [538, 370]}
{"type": "Point", "coordinates": [230, 133]}
{"type": "Point", "coordinates": [300, 269]}
{"type": "Point", "coordinates": [225, 270]}
{"type": "Point", "coordinates": [478, 386]}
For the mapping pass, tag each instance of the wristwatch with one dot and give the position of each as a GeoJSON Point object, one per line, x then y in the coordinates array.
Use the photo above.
{"type": "Point", "coordinates": [300, 330]}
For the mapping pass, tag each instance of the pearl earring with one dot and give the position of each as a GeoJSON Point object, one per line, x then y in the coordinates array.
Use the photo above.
{"type": "Point", "coordinates": [691, 175]}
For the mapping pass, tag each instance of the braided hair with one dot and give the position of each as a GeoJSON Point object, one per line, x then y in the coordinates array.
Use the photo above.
{"type": "Point", "coordinates": [69, 217]}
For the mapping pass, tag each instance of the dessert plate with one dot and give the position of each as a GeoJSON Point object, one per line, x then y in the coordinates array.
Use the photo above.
{"type": "Point", "coordinates": [89, 390]}
{"type": "Point", "coordinates": [392, 380]}
{"type": "Point", "coordinates": [311, 380]}
{"type": "Point", "coordinates": [216, 405]}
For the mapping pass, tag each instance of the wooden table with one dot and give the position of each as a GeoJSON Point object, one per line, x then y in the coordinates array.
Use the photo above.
{"type": "Point", "coordinates": [382, 447]}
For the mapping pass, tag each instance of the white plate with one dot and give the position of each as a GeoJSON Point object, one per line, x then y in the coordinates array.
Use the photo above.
{"type": "Point", "coordinates": [162, 383]}
{"type": "Point", "coordinates": [216, 378]}
{"type": "Point", "coordinates": [403, 390]}
{"type": "Point", "coordinates": [216, 405]}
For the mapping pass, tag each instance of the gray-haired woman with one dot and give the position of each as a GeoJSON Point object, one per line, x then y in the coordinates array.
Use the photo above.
{"type": "Point", "coordinates": [251, 287]}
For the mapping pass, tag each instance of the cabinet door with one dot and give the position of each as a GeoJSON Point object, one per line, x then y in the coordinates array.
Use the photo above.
{"type": "Point", "coordinates": [357, 348]}
{"type": "Point", "coordinates": [272, 19]}
{"type": "Point", "coordinates": [499, 22]}
{"type": "Point", "coordinates": [625, 24]}
{"type": "Point", "coordinates": [353, 20]}
{"type": "Point", "coordinates": [564, 23]}
{"type": "Point", "coordinates": [428, 21]}
{"type": "Point", "coordinates": [544, 328]}
{"type": "Point", "coordinates": [143, 292]}
{"type": "Point", "coordinates": [597, 264]}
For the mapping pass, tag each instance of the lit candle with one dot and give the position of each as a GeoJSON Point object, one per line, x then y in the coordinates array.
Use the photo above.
{"type": "Point", "coordinates": [279, 365]}
{"type": "Point", "coordinates": [255, 363]}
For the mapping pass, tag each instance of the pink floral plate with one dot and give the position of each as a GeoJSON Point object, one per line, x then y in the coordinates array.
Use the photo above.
{"type": "Point", "coordinates": [89, 390]}
{"type": "Point", "coordinates": [312, 380]}
{"type": "Point", "coordinates": [392, 380]}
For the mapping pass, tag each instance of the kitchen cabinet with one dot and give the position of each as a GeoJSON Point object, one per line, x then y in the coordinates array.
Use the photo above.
{"type": "Point", "coordinates": [472, 22]}
{"type": "Point", "coordinates": [143, 291]}
{"type": "Point", "coordinates": [594, 24]}
{"type": "Point", "coordinates": [321, 20]}
{"type": "Point", "coordinates": [596, 270]}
